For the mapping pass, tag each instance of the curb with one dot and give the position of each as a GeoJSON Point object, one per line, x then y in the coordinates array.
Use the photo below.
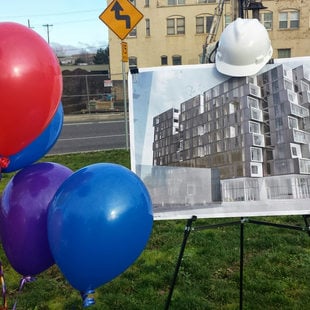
{"type": "Point", "coordinates": [92, 117]}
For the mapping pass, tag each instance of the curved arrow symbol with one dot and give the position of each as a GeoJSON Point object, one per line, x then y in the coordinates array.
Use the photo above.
{"type": "Point", "coordinates": [117, 9]}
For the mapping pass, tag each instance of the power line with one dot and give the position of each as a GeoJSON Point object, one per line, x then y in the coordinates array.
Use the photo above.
{"type": "Point", "coordinates": [59, 23]}
{"type": "Point", "coordinates": [66, 49]}
{"type": "Point", "coordinates": [52, 14]}
{"type": "Point", "coordinates": [70, 22]}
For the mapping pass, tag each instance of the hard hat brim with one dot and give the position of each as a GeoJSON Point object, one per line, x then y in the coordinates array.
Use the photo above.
{"type": "Point", "coordinates": [239, 71]}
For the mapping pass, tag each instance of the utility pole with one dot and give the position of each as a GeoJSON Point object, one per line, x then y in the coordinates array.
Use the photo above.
{"type": "Point", "coordinates": [48, 31]}
{"type": "Point", "coordinates": [255, 6]}
{"type": "Point", "coordinates": [29, 24]}
{"type": "Point", "coordinates": [241, 5]}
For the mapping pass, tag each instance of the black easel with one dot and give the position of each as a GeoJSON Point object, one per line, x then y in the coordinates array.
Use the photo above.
{"type": "Point", "coordinates": [241, 222]}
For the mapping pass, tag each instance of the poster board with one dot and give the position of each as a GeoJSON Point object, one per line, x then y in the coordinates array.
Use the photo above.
{"type": "Point", "coordinates": [185, 133]}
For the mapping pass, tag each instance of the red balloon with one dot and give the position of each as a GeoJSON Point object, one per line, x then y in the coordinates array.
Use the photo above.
{"type": "Point", "coordinates": [30, 86]}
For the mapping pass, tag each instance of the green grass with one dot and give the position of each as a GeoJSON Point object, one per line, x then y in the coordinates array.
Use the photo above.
{"type": "Point", "coordinates": [276, 266]}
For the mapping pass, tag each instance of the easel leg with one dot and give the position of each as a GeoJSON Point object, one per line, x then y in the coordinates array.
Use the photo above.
{"type": "Point", "coordinates": [187, 231]}
{"type": "Point", "coordinates": [241, 263]}
{"type": "Point", "coordinates": [306, 219]}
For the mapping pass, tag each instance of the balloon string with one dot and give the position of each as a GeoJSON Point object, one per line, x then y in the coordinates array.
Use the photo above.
{"type": "Point", "coordinates": [88, 300]}
{"type": "Point", "coordinates": [4, 301]}
{"type": "Point", "coordinates": [22, 283]}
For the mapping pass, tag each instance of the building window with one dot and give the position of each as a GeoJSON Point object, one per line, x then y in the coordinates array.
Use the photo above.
{"type": "Point", "coordinates": [252, 102]}
{"type": "Point", "coordinates": [164, 60]}
{"type": "Point", "coordinates": [258, 140]}
{"type": "Point", "coordinates": [292, 122]}
{"type": "Point", "coordinates": [256, 170]}
{"type": "Point", "coordinates": [256, 154]}
{"type": "Point", "coordinates": [206, 1]}
{"type": "Point", "coordinates": [177, 60]}
{"type": "Point", "coordinates": [295, 150]}
{"type": "Point", "coordinates": [292, 97]}
{"type": "Point", "coordinates": [200, 24]}
{"type": "Point", "coordinates": [147, 27]}
{"type": "Point", "coordinates": [251, 79]}
{"type": "Point", "coordinates": [147, 3]}
{"type": "Point", "coordinates": [284, 53]}
{"type": "Point", "coordinates": [254, 127]}
{"type": "Point", "coordinates": [203, 23]}
{"type": "Point", "coordinates": [288, 85]}
{"type": "Point", "coordinates": [266, 20]}
{"type": "Point", "coordinates": [257, 114]}
{"type": "Point", "coordinates": [233, 107]}
{"type": "Point", "coordinates": [289, 20]}
{"type": "Point", "coordinates": [176, 2]}
{"type": "Point", "coordinates": [232, 132]}
{"type": "Point", "coordinates": [304, 86]}
{"type": "Point", "coordinates": [227, 20]}
{"type": "Point", "coordinates": [175, 25]}
{"type": "Point", "coordinates": [254, 90]}
{"type": "Point", "coordinates": [133, 33]}
{"type": "Point", "coordinates": [132, 61]}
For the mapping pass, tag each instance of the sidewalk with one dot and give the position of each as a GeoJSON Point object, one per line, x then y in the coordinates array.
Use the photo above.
{"type": "Point", "coordinates": [73, 118]}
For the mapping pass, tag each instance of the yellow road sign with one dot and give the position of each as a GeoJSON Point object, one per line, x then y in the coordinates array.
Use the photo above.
{"type": "Point", "coordinates": [121, 17]}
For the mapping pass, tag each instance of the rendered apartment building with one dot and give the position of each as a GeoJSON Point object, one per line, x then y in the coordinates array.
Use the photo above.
{"type": "Point", "coordinates": [246, 127]}
{"type": "Point", "coordinates": [172, 32]}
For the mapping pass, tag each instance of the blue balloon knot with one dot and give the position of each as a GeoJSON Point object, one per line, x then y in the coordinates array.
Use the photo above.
{"type": "Point", "coordinates": [87, 300]}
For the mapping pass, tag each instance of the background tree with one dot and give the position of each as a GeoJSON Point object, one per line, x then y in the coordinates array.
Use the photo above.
{"type": "Point", "coordinates": [102, 56]}
{"type": "Point", "coordinates": [83, 57]}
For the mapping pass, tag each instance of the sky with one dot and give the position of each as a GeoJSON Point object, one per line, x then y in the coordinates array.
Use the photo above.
{"type": "Point", "coordinates": [75, 23]}
{"type": "Point", "coordinates": [167, 87]}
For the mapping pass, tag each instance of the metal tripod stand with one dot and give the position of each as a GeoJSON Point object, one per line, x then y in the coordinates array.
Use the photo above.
{"type": "Point", "coordinates": [241, 222]}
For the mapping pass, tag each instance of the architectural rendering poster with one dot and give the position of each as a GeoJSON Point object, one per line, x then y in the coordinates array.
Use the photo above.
{"type": "Point", "coordinates": [211, 145]}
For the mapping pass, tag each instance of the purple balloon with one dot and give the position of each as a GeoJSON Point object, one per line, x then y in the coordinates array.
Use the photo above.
{"type": "Point", "coordinates": [23, 216]}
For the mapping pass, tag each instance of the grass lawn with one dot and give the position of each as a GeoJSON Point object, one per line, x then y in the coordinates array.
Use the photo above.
{"type": "Point", "coordinates": [276, 265]}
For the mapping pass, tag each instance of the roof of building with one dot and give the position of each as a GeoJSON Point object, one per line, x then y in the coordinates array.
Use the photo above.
{"type": "Point", "coordinates": [89, 68]}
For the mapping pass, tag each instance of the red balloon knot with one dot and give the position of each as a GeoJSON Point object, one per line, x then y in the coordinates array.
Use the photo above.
{"type": "Point", "coordinates": [4, 162]}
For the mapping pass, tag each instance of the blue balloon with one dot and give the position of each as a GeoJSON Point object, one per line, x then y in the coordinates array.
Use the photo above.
{"type": "Point", "coordinates": [99, 222]}
{"type": "Point", "coordinates": [40, 146]}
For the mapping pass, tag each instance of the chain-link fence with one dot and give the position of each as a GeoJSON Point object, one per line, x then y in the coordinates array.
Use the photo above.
{"type": "Point", "coordinates": [90, 93]}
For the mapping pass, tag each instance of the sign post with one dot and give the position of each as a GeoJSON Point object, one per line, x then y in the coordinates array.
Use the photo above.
{"type": "Point", "coordinates": [121, 16]}
{"type": "Point", "coordinates": [124, 51]}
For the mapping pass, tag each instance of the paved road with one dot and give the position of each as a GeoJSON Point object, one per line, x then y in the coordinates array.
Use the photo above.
{"type": "Point", "coordinates": [91, 133]}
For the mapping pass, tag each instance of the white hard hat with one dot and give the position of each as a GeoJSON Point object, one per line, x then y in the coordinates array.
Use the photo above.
{"type": "Point", "coordinates": [244, 48]}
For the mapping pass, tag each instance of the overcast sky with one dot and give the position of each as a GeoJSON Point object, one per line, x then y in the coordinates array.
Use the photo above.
{"type": "Point", "coordinates": [75, 23]}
